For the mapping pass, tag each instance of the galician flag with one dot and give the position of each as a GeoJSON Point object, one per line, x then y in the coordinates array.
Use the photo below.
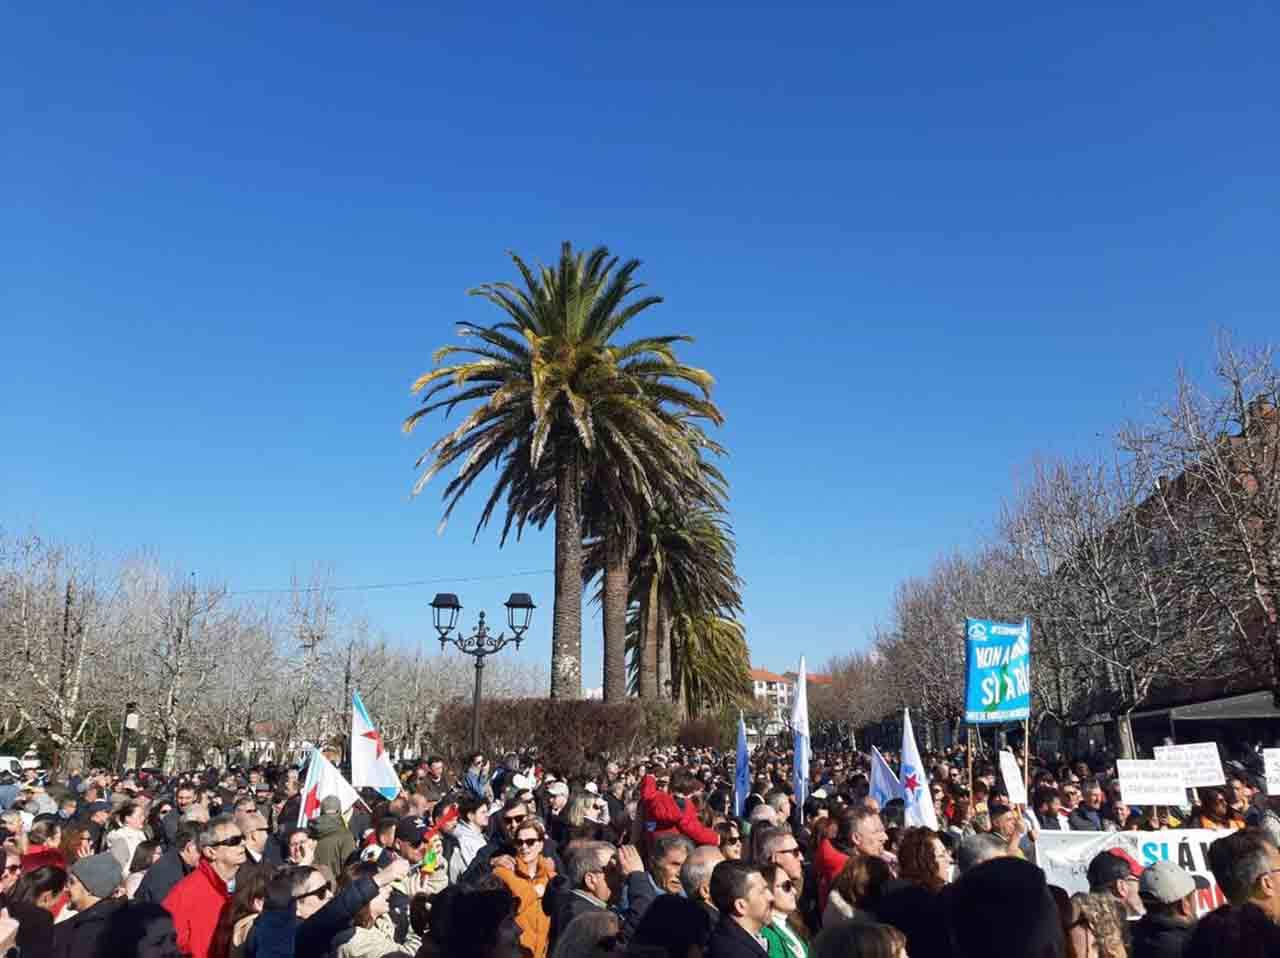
{"type": "Point", "coordinates": [741, 770]}
{"type": "Point", "coordinates": [322, 781]}
{"type": "Point", "coordinates": [370, 764]}
{"type": "Point", "coordinates": [800, 725]}
{"type": "Point", "coordinates": [885, 786]}
{"type": "Point", "coordinates": [915, 781]}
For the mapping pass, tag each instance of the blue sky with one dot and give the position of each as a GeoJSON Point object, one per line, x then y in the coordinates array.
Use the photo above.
{"type": "Point", "coordinates": [918, 245]}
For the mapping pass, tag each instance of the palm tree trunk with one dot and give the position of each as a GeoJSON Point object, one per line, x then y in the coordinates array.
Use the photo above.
{"type": "Point", "coordinates": [566, 617]}
{"type": "Point", "coordinates": [664, 650]}
{"type": "Point", "coordinates": [649, 643]}
{"type": "Point", "coordinates": [615, 618]}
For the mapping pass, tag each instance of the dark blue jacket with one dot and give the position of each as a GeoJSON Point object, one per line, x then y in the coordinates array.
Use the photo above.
{"type": "Point", "coordinates": [279, 934]}
{"type": "Point", "coordinates": [161, 877]}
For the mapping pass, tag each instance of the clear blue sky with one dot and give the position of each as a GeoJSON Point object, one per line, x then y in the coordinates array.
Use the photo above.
{"type": "Point", "coordinates": [917, 246]}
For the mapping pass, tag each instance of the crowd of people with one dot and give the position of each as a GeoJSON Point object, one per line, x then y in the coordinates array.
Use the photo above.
{"type": "Point", "coordinates": [643, 856]}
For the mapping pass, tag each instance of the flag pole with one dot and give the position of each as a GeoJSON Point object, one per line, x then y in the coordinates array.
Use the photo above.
{"type": "Point", "coordinates": [968, 751]}
{"type": "Point", "coordinates": [1026, 753]}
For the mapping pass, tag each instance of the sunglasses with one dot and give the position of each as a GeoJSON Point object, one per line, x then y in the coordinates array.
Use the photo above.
{"type": "Point", "coordinates": [12, 869]}
{"type": "Point", "coordinates": [231, 842]}
{"type": "Point", "coordinates": [527, 842]}
{"type": "Point", "coordinates": [733, 840]}
{"type": "Point", "coordinates": [514, 819]}
{"type": "Point", "coordinates": [793, 850]}
{"type": "Point", "coordinates": [322, 893]}
{"type": "Point", "coordinates": [787, 886]}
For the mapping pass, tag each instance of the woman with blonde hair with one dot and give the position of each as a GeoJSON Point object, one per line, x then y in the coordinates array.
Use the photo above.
{"type": "Point", "coordinates": [1096, 927]}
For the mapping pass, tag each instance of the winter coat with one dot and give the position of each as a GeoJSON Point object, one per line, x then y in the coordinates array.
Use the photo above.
{"type": "Point", "coordinates": [160, 878]}
{"type": "Point", "coordinates": [196, 904]}
{"type": "Point", "coordinates": [470, 841]}
{"type": "Point", "coordinates": [666, 815]}
{"type": "Point", "coordinates": [783, 942]}
{"type": "Point", "coordinates": [80, 937]}
{"type": "Point", "coordinates": [123, 842]}
{"type": "Point", "coordinates": [333, 843]}
{"type": "Point", "coordinates": [534, 922]}
{"type": "Point", "coordinates": [368, 943]}
{"type": "Point", "coordinates": [1161, 936]}
{"type": "Point", "coordinates": [279, 934]}
{"type": "Point", "coordinates": [731, 940]}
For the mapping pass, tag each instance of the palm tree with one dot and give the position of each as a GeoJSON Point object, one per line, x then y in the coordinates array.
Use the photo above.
{"type": "Point", "coordinates": [614, 515]}
{"type": "Point", "coordinates": [551, 379]}
{"type": "Point", "coordinates": [684, 566]}
{"type": "Point", "coordinates": [712, 666]}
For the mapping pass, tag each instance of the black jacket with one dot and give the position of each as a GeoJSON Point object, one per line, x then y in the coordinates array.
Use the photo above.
{"type": "Point", "coordinates": [1161, 936]}
{"type": "Point", "coordinates": [79, 937]}
{"type": "Point", "coordinates": [731, 940]}
{"type": "Point", "coordinates": [1082, 820]}
{"type": "Point", "coordinates": [160, 878]}
{"type": "Point", "coordinates": [563, 905]}
{"type": "Point", "coordinates": [278, 932]}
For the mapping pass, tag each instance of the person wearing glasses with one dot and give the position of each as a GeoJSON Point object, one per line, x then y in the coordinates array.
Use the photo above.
{"type": "Point", "coordinates": [197, 901]}
{"type": "Point", "coordinates": [1117, 875]}
{"type": "Point", "coordinates": [299, 847]}
{"type": "Point", "coordinates": [301, 915]}
{"type": "Point", "coordinates": [528, 878]}
{"type": "Point", "coordinates": [730, 840]}
{"type": "Point", "coordinates": [785, 931]}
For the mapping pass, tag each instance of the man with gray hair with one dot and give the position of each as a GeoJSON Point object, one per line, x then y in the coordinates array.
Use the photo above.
{"type": "Point", "coordinates": [1247, 867]}
{"type": "Point", "coordinates": [197, 901]}
{"type": "Point", "coordinates": [670, 852]}
{"type": "Point", "coordinates": [979, 848]}
{"type": "Point", "coordinates": [695, 878]}
{"type": "Point", "coordinates": [596, 875]}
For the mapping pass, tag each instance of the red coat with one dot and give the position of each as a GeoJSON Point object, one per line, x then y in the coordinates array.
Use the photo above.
{"type": "Point", "coordinates": [827, 863]}
{"type": "Point", "coordinates": [196, 904]}
{"type": "Point", "coordinates": [664, 816]}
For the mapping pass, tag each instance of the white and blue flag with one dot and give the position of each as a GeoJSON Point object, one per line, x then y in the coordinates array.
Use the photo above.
{"type": "Point", "coordinates": [742, 770]}
{"type": "Point", "coordinates": [885, 786]}
{"type": "Point", "coordinates": [370, 762]}
{"type": "Point", "coordinates": [800, 725]}
{"type": "Point", "coordinates": [915, 781]}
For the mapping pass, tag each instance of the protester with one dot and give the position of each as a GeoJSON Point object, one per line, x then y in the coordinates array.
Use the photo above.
{"type": "Point", "coordinates": [91, 888]}
{"type": "Point", "coordinates": [372, 934]}
{"type": "Point", "coordinates": [745, 902]}
{"type": "Point", "coordinates": [1169, 894]}
{"type": "Point", "coordinates": [1215, 812]}
{"type": "Point", "coordinates": [923, 859]}
{"type": "Point", "coordinates": [144, 856]}
{"type": "Point", "coordinates": [196, 902]}
{"type": "Point", "coordinates": [334, 842]}
{"type": "Point", "coordinates": [785, 932]}
{"type": "Point", "coordinates": [141, 930]}
{"type": "Point", "coordinates": [528, 878]}
{"type": "Point", "coordinates": [730, 840]}
{"type": "Point", "coordinates": [860, 939]}
{"type": "Point", "coordinates": [130, 820]}
{"type": "Point", "coordinates": [598, 874]}
{"type": "Point", "coordinates": [589, 931]}
{"type": "Point", "coordinates": [469, 835]}
{"type": "Point", "coordinates": [695, 878]}
{"type": "Point", "coordinates": [31, 902]}
{"type": "Point", "coordinates": [1115, 874]}
{"type": "Point", "coordinates": [171, 867]}
{"type": "Point", "coordinates": [666, 858]}
{"type": "Point", "coordinates": [672, 927]}
{"type": "Point", "coordinates": [1098, 926]}
{"type": "Point", "coordinates": [1008, 896]}
{"type": "Point", "coordinates": [1087, 816]}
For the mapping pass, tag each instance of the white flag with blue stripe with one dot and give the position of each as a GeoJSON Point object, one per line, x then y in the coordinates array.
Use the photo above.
{"type": "Point", "coordinates": [370, 762]}
{"type": "Point", "coordinates": [742, 770]}
{"type": "Point", "coordinates": [800, 726]}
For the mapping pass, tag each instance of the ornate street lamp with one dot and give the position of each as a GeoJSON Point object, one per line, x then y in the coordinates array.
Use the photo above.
{"type": "Point", "coordinates": [481, 643]}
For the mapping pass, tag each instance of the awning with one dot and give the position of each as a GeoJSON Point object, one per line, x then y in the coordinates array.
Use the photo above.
{"type": "Point", "coordinates": [1252, 705]}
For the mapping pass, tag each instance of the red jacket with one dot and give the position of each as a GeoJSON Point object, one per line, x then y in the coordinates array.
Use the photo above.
{"type": "Point", "coordinates": [664, 816]}
{"type": "Point", "coordinates": [828, 862]}
{"type": "Point", "coordinates": [196, 904]}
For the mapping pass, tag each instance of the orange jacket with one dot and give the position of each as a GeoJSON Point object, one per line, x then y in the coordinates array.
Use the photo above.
{"type": "Point", "coordinates": [534, 921]}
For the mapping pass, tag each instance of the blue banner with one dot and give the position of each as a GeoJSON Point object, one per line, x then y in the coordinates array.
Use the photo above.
{"type": "Point", "coordinates": [998, 671]}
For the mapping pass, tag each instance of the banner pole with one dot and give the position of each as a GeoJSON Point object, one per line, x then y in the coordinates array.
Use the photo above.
{"type": "Point", "coordinates": [968, 731]}
{"type": "Point", "coordinates": [1026, 754]}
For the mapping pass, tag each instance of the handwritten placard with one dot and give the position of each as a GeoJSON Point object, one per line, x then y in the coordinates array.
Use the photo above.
{"type": "Point", "coordinates": [1201, 760]}
{"type": "Point", "coordinates": [1151, 782]}
{"type": "Point", "coordinates": [1271, 763]}
{"type": "Point", "coordinates": [1012, 776]}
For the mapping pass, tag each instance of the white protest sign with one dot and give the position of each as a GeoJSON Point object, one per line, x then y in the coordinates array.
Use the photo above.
{"type": "Point", "coordinates": [1148, 782]}
{"type": "Point", "coordinates": [1012, 776]}
{"type": "Point", "coordinates": [1202, 762]}
{"type": "Point", "coordinates": [1271, 762]}
{"type": "Point", "coordinates": [1065, 856]}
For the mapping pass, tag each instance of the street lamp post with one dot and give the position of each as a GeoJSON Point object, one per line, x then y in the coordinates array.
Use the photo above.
{"type": "Point", "coordinates": [130, 725]}
{"type": "Point", "coordinates": [481, 643]}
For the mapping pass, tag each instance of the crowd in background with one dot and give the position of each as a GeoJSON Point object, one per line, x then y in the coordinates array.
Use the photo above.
{"type": "Point", "coordinates": [642, 856]}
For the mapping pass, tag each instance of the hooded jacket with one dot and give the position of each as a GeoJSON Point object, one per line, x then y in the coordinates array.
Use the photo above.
{"type": "Point", "coordinates": [333, 842]}
{"type": "Point", "coordinates": [667, 815]}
